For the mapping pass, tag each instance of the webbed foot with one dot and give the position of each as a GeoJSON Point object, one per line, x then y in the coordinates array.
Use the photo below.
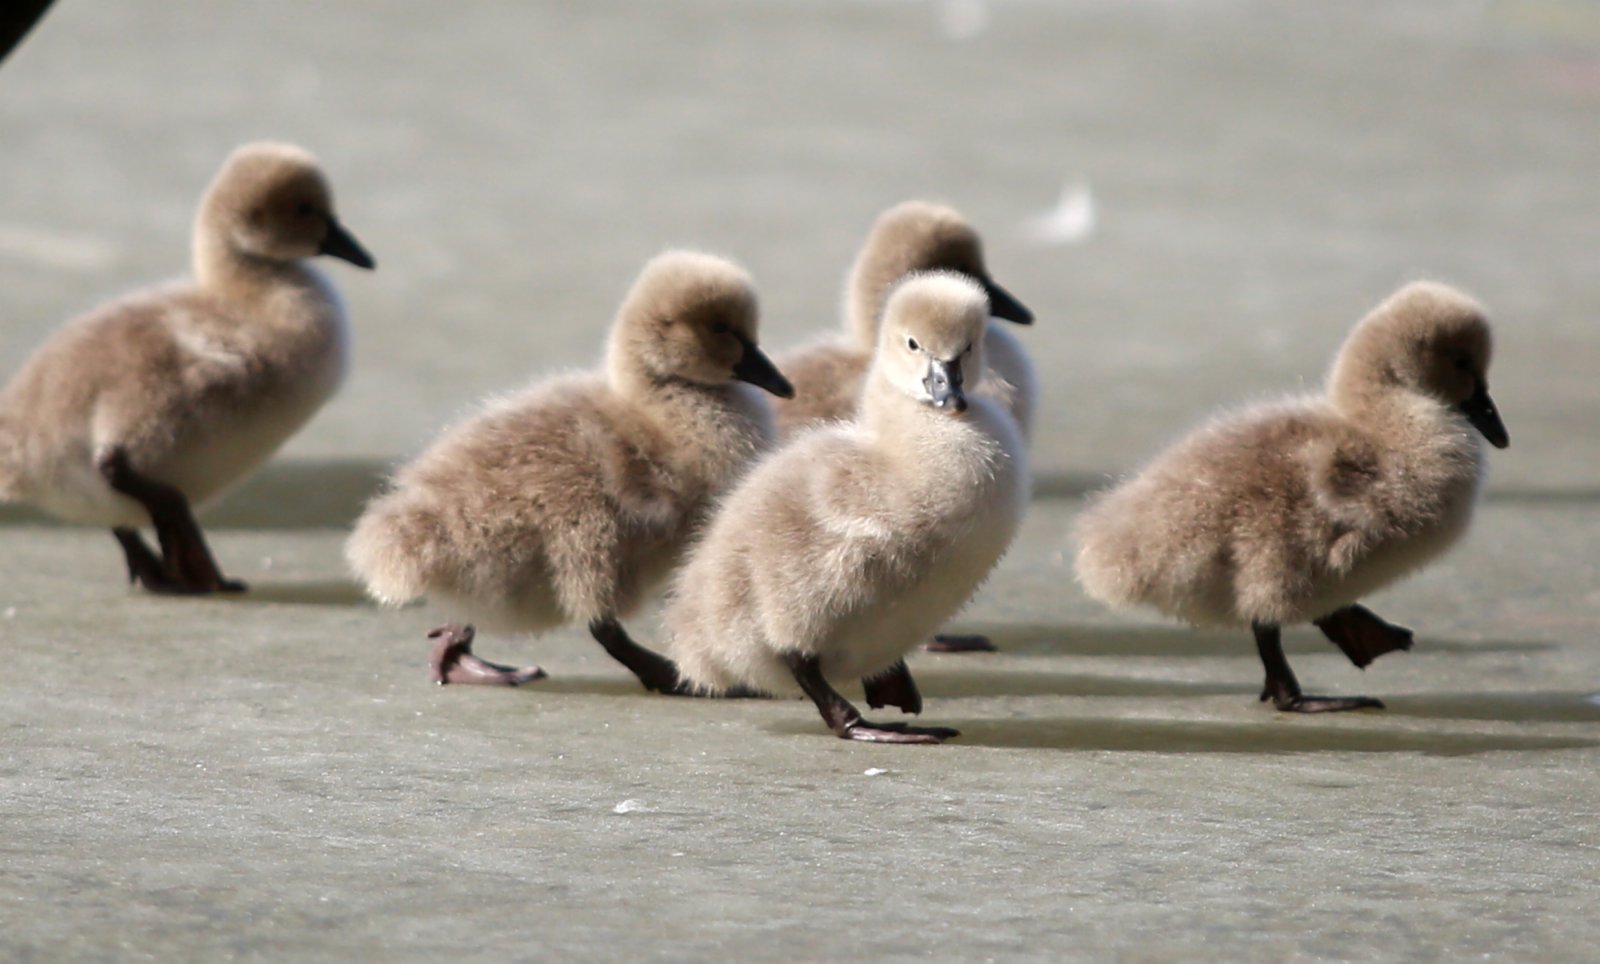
{"type": "Point", "coordinates": [1323, 704]}
{"type": "Point", "coordinates": [844, 720]}
{"type": "Point", "coordinates": [893, 687]}
{"type": "Point", "coordinates": [1362, 634]}
{"type": "Point", "coordinates": [960, 643]}
{"type": "Point", "coordinates": [452, 661]}
{"type": "Point", "coordinates": [870, 732]}
{"type": "Point", "coordinates": [1283, 690]}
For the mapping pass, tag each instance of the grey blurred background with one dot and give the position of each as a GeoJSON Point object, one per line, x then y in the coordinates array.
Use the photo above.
{"type": "Point", "coordinates": [1261, 173]}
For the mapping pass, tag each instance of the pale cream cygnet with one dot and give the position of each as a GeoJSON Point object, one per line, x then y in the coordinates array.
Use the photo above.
{"type": "Point", "coordinates": [829, 372]}
{"type": "Point", "coordinates": [841, 551]}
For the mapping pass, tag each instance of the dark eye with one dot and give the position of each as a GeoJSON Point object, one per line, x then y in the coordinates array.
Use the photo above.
{"type": "Point", "coordinates": [1463, 363]}
{"type": "Point", "coordinates": [720, 328]}
{"type": "Point", "coordinates": [306, 208]}
{"type": "Point", "coordinates": [911, 343]}
{"type": "Point", "coordinates": [967, 350]}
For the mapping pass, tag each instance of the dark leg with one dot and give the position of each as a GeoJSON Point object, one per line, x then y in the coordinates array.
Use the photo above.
{"type": "Point", "coordinates": [186, 559]}
{"type": "Point", "coordinates": [144, 567]}
{"type": "Point", "coordinates": [1284, 690]}
{"type": "Point", "coordinates": [452, 661]}
{"type": "Point", "coordinates": [960, 643]}
{"type": "Point", "coordinates": [1362, 634]}
{"type": "Point", "coordinates": [845, 720]}
{"type": "Point", "coordinates": [893, 687]}
{"type": "Point", "coordinates": [656, 672]}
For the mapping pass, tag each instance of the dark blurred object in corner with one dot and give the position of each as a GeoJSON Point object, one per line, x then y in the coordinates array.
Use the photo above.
{"type": "Point", "coordinates": [17, 17]}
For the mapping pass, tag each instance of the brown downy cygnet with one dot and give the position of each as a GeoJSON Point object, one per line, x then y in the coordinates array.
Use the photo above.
{"type": "Point", "coordinates": [841, 551]}
{"type": "Point", "coordinates": [829, 373]}
{"type": "Point", "coordinates": [571, 501]}
{"type": "Point", "coordinates": [1293, 511]}
{"type": "Point", "coordinates": [160, 400]}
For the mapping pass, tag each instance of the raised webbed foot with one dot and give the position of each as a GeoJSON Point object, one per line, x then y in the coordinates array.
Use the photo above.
{"type": "Point", "coordinates": [893, 687]}
{"type": "Point", "coordinates": [452, 661]}
{"type": "Point", "coordinates": [1362, 634]}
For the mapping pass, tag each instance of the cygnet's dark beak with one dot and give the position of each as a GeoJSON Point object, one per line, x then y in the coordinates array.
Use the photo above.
{"type": "Point", "coordinates": [944, 385]}
{"type": "Point", "coordinates": [758, 370]}
{"type": "Point", "coordinates": [341, 244]}
{"type": "Point", "coordinates": [1002, 305]}
{"type": "Point", "coordinates": [1480, 411]}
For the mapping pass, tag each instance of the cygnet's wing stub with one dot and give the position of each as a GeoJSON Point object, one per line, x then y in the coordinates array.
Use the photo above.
{"type": "Point", "coordinates": [1346, 476]}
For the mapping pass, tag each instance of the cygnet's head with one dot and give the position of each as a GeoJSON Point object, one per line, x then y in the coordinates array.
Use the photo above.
{"type": "Point", "coordinates": [923, 236]}
{"type": "Point", "coordinates": [271, 201]}
{"type": "Point", "coordinates": [1429, 339]}
{"type": "Point", "coordinates": [693, 316]}
{"type": "Point", "coordinates": [931, 345]}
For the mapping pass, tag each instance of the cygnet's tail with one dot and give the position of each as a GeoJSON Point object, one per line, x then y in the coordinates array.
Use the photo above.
{"type": "Point", "coordinates": [389, 549]}
{"type": "Point", "coordinates": [1109, 566]}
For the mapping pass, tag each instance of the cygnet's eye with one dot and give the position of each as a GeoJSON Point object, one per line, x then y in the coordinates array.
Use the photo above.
{"type": "Point", "coordinates": [1463, 363]}
{"type": "Point", "coordinates": [911, 344]}
{"type": "Point", "coordinates": [720, 328]}
{"type": "Point", "coordinates": [306, 208]}
{"type": "Point", "coordinates": [967, 350]}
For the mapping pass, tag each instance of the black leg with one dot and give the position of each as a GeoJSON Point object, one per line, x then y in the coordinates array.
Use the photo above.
{"type": "Point", "coordinates": [144, 568]}
{"type": "Point", "coordinates": [893, 687]}
{"type": "Point", "coordinates": [845, 720]}
{"type": "Point", "coordinates": [960, 643]}
{"type": "Point", "coordinates": [185, 556]}
{"type": "Point", "coordinates": [655, 671]}
{"type": "Point", "coordinates": [452, 661]}
{"type": "Point", "coordinates": [1284, 690]}
{"type": "Point", "coordinates": [1363, 634]}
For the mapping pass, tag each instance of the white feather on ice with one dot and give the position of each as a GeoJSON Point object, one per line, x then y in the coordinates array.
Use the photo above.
{"type": "Point", "coordinates": [1071, 221]}
{"type": "Point", "coordinates": [963, 19]}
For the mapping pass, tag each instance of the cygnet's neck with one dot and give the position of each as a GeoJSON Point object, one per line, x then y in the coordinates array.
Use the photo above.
{"type": "Point", "coordinates": [633, 380]}
{"type": "Point", "coordinates": [868, 283]}
{"type": "Point", "coordinates": [941, 461]}
{"type": "Point", "coordinates": [1389, 411]}
{"type": "Point", "coordinates": [220, 266]}
{"type": "Point", "coordinates": [686, 408]}
{"type": "Point", "coordinates": [902, 420]}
